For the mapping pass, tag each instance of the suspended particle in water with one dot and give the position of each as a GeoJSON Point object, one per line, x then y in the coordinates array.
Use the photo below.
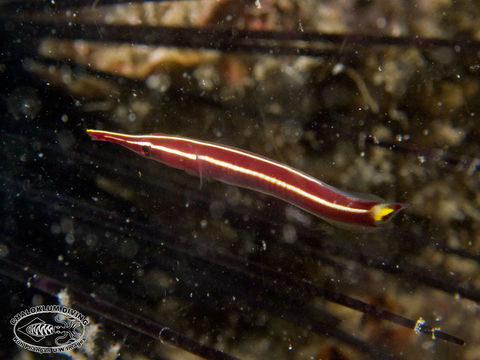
{"type": "Point", "coordinates": [24, 103]}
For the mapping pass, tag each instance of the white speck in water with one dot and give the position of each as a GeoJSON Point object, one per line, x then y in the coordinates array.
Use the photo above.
{"type": "Point", "coordinates": [70, 238]}
{"type": "Point", "coordinates": [159, 82]}
{"type": "Point", "coordinates": [418, 325]}
{"type": "Point", "coordinates": [338, 68]}
{"type": "Point", "coordinates": [132, 117]}
{"type": "Point", "coordinates": [434, 330]}
{"type": "Point", "coordinates": [264, 245]}
{"type": "Point", "coordinates": [300, 25]}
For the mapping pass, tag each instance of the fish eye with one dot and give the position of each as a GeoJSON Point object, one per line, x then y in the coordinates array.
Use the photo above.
{"type": "Point", "coordinates": [146, 149]}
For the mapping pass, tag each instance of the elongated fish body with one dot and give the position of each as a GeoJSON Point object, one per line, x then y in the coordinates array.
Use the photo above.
{"type": "Point", "coordinates": [256, 172]}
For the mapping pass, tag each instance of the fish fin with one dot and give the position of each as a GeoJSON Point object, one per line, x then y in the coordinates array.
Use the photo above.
{"type": "Point", "coordinates": [353, 228]}
{"type": "Point", "coordinates": [360, 196]}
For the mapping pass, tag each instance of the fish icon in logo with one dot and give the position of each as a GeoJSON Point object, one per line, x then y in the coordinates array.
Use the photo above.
{"type": "Point", "coordinates": [37, 329]}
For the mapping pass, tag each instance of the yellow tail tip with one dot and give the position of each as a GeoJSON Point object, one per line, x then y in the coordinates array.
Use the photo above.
{"type": "Point", "coordinates": [382, 213]}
